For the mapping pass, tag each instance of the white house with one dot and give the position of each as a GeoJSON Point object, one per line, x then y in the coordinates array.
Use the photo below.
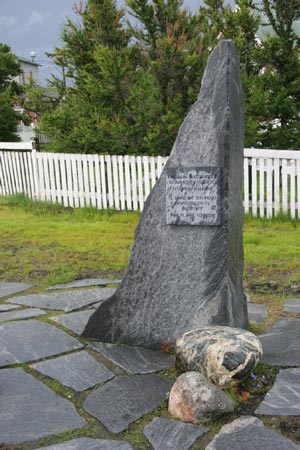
{"type": "Point", "coordinates": [29, 69]}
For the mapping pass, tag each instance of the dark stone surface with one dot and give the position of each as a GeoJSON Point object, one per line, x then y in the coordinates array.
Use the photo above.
{"type": "Point", "coordinates": [7, 288]}
{"type": "Point", "coordinates": [164, 434]}
{"type": "Point", "coordinates": [283, 398]}
{"type": "Point", "coordinates": [281, 343]}
{"type": "Point", "coordinates": [83, 283]}
{"type": "Point", "coordinates": [134, 359]}
{"type": "Point", "coordinates": [249, 433]}
{"type": "Point", "coordinates": [183, 277]}
{"type": "Point", "coordinates": [31, 340]}
{"type": "Point", "coordinates": [8, 307]}
{"type": "Point", "coordinates": [21, 314]}
{"type": "Point", "coordinates": [89, 444]}
{"type": "Point", "coordinates": [123, 400]}
{"type": "Point", "coordinates": [79, 371]}
{"type": "Point", "coordinates": [75, 321]}
{"type": "Point", "coordinates": [30, 410]}
{"type": "Point", "coordinates": [66, 300]}
{"type": "Point", "coordinates": [257, 313]}
{"type": "Point", "coordinates": [292, 305]}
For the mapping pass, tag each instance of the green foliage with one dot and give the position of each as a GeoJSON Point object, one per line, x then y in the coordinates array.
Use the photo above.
{"type": "Point", "coordinates": [37, 98]}
{"type": "Point", "coordinates": [126, 87]}
{"type": "Point", "coordinates": [8, 119]}
{"type": "Point", "coordinates": [126, 90]}
{"type": "Point", "coordinates": [275, 101]}
{"type": "Point", "coordinates": [9, 68]}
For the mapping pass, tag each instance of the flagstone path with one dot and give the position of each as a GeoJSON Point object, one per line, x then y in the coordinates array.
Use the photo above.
{"type": "Point", "coordinates": [61, 392]}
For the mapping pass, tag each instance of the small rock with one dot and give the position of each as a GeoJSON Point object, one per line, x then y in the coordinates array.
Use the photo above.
{"type": "Point", "coordinates": [292, 305]}
{"type": "Point", "coordinates": [193, 397]}
{"type": "Point", "coordinates": [222, 354]}
{"type": "Point", "coordinates": [257, 313]}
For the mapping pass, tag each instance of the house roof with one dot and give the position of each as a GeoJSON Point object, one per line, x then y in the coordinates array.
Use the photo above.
{"type": "Point", "coordinates": [27, 61]}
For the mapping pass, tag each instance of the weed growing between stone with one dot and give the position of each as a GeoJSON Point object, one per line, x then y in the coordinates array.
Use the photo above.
{"type": "Point", "coordinates": [250, 393]}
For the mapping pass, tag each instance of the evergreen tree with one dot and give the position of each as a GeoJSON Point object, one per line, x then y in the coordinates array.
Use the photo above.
{"type": "Point", "coordinates": [173, 42]}
{"type": "Point", "coordinates": [9, 68]}
{"type": "Point", "coordinates": [126, 90]}
{"type": "Point", "coordinates": [269, 66]}
{"type": "Point", "coordinates": [275, 103]}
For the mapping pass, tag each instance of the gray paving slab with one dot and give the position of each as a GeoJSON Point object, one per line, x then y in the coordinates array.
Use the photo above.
{"type": "Point", "coordinates": [95, 305]}
{"type": "Point", "coordinates": [292, 305]}
{"type": "Point", "coordinates": [65, 300]}
{"type": "Point", "coordinates": [79, 371]}
{"type": "Point", "coordinates": [257, 313]}
{"type": "Point", "coordinates": [7, 288]}
{"type": "Point", "coordinates": [8, 307]}
{"type": "Point", "coordinates": [164, 434]}
{"type": "Point", "coordinates": [31, 340]}
{"type": "Point", "coordinates": [123, 400]}
{"type": "Point", "coordinates": [281, 343]}
{"type": "Point", "coordinates": [134, 359]}
{"type": "Point", "coordinates": [84, 283]}
{"type": "Point", "coordinates": [283, 398]}
{"type": "Point", "coordinates": [89, 444]}
{"type": "Point", "coordinates": [27, 313]}
{"type": "Point", "coordinates": [75, 321]}
{"type": "Point", "coordinates": [30, 410]}
{"type": "Point", "coordinates": [249, 433]}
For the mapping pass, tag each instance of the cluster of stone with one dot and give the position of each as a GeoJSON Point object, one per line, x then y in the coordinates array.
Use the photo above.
{"type": "Point", "coordinates": [213, 358]}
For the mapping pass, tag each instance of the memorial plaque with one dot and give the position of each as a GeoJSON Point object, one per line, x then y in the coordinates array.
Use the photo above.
{"type": "Point", "coordinates": [193, 196]}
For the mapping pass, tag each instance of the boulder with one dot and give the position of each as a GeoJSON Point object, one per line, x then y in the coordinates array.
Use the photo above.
{"type": "Point", "coordinates": [224, 355]}
{"type": "Point", "coordinates": [186, 264]}
{"type": "Point", "coordinates": [193, 397]}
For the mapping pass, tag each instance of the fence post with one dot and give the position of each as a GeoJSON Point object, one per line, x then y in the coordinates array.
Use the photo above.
{"type": "Point", "coordinates": [36, 183]}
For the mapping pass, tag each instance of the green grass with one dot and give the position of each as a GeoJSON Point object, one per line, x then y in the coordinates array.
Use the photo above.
{"type": "Point", "coordinates": [48, 244]}
{"type": "Point", "coordinates": [272, 251]}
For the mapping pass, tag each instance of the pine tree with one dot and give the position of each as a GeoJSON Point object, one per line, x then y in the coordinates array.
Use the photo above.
{"type": "Point", "coordinates": [9, 68]}
{"type": "Point", "coordinates": [122, 91]}
{"type": "Point", "coordinates": [275, 104]}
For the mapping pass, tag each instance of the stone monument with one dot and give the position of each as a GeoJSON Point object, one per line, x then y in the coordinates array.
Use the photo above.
{"type": "Point", "coordinates": [186, 264]}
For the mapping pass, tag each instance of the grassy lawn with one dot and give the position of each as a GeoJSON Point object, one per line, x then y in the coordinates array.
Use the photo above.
{"type": "Point", "coordinates": [47, 244]}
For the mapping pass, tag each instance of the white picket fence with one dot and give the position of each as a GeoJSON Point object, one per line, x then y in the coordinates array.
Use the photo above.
{"type": "Point", "coordinates": [272, 182]}
{"type": "Point", "coordinates": [99, 181]}
{"type": "Point", "coordinates": [271, 179]}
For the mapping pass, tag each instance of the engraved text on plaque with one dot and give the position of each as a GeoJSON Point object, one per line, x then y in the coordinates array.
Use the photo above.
{"type": "Point", "coordinates": [193, 196]}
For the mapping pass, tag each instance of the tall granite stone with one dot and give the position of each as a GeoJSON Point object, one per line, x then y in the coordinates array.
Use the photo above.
{"type": "Point", "coordinates": [186, 264]}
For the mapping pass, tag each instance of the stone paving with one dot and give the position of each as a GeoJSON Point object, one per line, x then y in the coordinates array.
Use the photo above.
{"type": "Point", "coordinates": [61, 392]}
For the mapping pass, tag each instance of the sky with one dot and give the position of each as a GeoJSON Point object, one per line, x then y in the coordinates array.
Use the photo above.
{"type": "Point", "coordinates": [35, 25]}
